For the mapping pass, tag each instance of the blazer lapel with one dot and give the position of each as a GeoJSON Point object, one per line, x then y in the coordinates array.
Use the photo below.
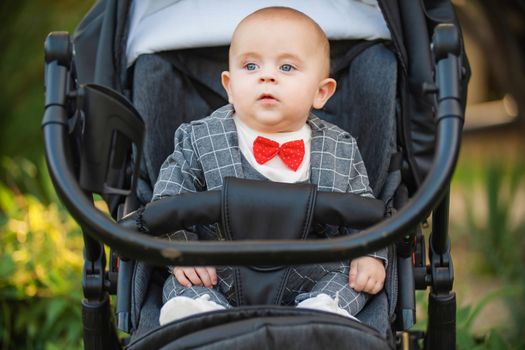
{"type": "Point", "coordinates": [218, 147]}
{"type": "Point", "coordinates": [233, 142]}
{"type": "Point", "coordinates": [316, 148]}
{"type": "Point", "coordinates": [329, 157]}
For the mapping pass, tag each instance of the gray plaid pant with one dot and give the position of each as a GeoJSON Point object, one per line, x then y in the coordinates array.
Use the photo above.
{"type": "Point", "coordinates": [305, 281]}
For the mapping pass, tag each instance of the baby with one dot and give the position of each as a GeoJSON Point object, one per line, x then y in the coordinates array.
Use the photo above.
{"type": "Point", "coordinates": [279, 62]}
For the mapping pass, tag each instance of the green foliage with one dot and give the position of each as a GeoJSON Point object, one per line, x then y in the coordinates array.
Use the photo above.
{"type": "Point", "coordinates": [466, 338]}
{"type": "Point", "coordinates": [24, 177]}
{"type": "Point", "coordinates": [495, 227]}
{"type": "Point", "coordinates": [466, 316]}
{"type": "Point", "coordinates": [40, 268]}
{"type": "Point", "coordinates": [500, 236]}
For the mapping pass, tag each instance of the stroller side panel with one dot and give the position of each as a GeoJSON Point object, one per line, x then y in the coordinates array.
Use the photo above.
{"type": "Point", "coordinates": [99, 42]}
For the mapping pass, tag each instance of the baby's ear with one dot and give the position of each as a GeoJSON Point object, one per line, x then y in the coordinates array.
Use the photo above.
{"type": "Point", "coordinates": [325, 91]}
{"type": "Point", "coordinates": [225, 80]}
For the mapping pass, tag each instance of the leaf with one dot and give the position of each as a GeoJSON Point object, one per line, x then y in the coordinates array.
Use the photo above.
{"type": "Point", "coordinates": [462, 314]}
{"type": "Point", "coordinates": [487, 299]}
{"type": "Point", "coordinates": [7, 202]}
{"type": "Point", "coordinates": [54, 309]}
{"type": "Point", "coordinates": [496, 342]}
{"type": "Point", "coordinates": [464, 340]}
{"type": "Point", "coordinates": [7, 267]}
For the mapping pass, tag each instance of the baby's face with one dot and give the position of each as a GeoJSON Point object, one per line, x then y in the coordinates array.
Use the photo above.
{"type": "Point", "coordinates": [278, 72]}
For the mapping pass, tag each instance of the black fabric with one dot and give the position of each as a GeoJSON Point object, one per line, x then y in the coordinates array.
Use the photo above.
{"type": "Point", "coordinates": [170, 214]}
{"type": "Point", "coordinates": [264, 328]}
{"type": "Point", "coordinates": [417, 122]}
{"type": "Point", "coordinates": [167, 97]}
{"type": "Point", "coordinates": [267, 210]}
{"type": "Point", "coordinates": [365, 105]}
{"type": "Point", "coordinates": [417, 113]}
{"type": "Point", "coordinates": [396, 161]}
{"type": "Point", "coordinates": [249, 213]}
{"type": "Point", "coordinates": [442, 11]}
{"type": "Point", "coordinates": [343, 52]}
{"type": "Point", "coordinates": [392, 15]}
{"type": "Point", "coordinates": [86, 42]}
{"type": "Point", "coordinates": [202, 66]}
{"type": "Point", "coordinates": [257, 285]}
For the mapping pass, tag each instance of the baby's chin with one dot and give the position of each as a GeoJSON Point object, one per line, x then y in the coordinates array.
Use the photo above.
{"type": "Point", "coordinates": [277, 127]}
{"type": "Point", "coordinates": [274, 123]}
{"type": "Point", "coordinates": [271, 120]}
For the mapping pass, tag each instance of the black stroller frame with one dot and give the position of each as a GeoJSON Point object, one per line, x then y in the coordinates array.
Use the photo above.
{"type": "Point", "coordinates": [94, 139]}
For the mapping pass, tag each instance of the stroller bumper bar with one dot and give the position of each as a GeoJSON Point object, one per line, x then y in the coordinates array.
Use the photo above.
{"type": "Point", "coordinates": [174, 213]}
{"type": "Point", "coordinates": [136, 245]}
{"type": "Point", "coordinates": [141, 246]}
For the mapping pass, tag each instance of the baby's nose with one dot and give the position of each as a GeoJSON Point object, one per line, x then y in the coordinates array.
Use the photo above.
{"type": "Point", "coordinates": [267, 76]}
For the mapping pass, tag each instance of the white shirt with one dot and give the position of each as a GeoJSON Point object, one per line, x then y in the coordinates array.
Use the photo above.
{"type": "Point", "coordinates": [275, 169]}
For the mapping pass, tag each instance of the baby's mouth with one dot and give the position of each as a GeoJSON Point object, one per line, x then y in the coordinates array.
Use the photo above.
{"type": "Point", "coordinates": [265, 97]}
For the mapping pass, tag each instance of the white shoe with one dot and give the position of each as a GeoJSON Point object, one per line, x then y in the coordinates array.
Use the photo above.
{"type": "Point", "coordinates": [324, 302]}
{"type": "Point", "coordinates": [180, 307]}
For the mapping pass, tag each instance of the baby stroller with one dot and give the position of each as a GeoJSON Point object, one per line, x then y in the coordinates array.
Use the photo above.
{"type": "Point", "coordinates": [108, 126]}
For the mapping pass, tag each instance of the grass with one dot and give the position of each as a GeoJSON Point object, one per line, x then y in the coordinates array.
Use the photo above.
{"type": "Point", "coordinates": [489, 231]}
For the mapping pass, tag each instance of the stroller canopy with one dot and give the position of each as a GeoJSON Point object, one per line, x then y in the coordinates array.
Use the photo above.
{"type": "Point", "coordinates": [168, 25]}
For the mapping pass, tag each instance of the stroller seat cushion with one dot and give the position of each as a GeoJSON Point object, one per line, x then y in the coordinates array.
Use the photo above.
{"type": "Point", "coordinates": [373, 317]}
{"type": "Point", "coordinates": [168, 25]}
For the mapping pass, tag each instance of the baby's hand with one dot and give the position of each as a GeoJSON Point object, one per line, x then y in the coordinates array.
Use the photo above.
{"type": "Point", "coordinates": [367, 274]}
{"type": "Point", "coordinates": [199, 276]}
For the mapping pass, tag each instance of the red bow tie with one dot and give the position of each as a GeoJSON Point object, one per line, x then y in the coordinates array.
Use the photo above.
{"type": "Point", "coordinates": [291, 153]}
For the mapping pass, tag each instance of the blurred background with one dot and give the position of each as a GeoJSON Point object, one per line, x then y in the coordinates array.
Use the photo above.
{"type": "Point", "coordinates": [41, 246]}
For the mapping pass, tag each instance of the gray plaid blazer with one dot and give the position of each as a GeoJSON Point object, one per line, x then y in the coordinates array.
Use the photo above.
{"type": "Point", "coordinates": [207, 150]}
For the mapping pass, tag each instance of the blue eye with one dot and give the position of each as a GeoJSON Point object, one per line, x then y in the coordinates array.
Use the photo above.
{"type": "Point", "coordinates": [287, 68]}
{"type": "Point", "coordinates": [250, 66]}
